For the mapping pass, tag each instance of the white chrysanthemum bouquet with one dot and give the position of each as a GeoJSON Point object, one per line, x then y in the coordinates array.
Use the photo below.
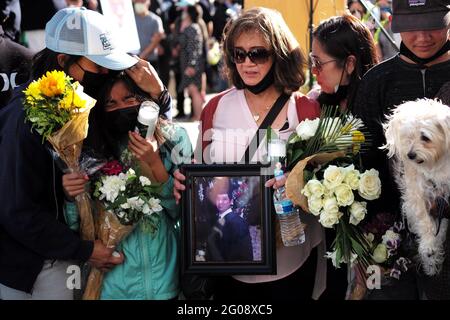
{"type": "Point", "coordinates": [125, 199]}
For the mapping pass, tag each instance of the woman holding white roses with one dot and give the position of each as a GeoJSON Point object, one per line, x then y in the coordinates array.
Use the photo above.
{"type": "Point", "coordinates": [150, 270]}
{"type": "Point", "coordinates": [265, 65]}
{"type": "Point", "coordinates": [342, 51]}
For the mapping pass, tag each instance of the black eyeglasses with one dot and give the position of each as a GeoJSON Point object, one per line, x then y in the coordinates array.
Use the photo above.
{"type": "Point", "coordinates": [316, 63]}
{"type": "Point", "coordinates": [257, 55]}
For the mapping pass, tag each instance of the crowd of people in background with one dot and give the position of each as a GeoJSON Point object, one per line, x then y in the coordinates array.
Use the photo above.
{"type": "Point", "coordinates": [366, 60]}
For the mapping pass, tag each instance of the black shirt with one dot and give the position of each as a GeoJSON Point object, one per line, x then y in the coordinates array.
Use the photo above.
{"type": "Point", "coordinates": [15, 63]}
{"type": "Point", "coordinates": [383, 87]}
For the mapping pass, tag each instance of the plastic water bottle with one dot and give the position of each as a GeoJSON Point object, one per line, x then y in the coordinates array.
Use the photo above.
{"type": "Point", "coordinates": [292, 232]}
{"type": "Point", "coordinates": [147, 119]}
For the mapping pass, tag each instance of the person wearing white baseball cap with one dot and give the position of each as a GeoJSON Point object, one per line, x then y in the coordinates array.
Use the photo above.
{"type": "Point", "coordinates": [37, 247]}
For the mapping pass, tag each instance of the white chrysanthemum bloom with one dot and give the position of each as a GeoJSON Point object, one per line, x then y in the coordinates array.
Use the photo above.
{"type": "Point", "coordinates": [111, 187]}
{"type": "Point", "coordinates": [131, 172]}
{"type": "Point", "coordinates": [358, 211]}
{"type": "Point", "coordinates": [307, 128]}
{"type": "Point", "coordinates": [344, 195]}
{"type": "Point", "coordinates": [121, 214]}
{"type": "Point", "coordinates": [144, 181]}
{"type": "Point", "coordinates": [370, 185]}
{"type": "Point", "coordinates": [136, 203]}
{"type": "Point", "coordinates": [380, 254]}
{"type": "Point", "coordinates": [351, 177]}
{"type": "Point", "coordinates": [125, 205]}
{"type": "Point", "coordinates": [315, 204]}
{"type": "Point", "coordinates": [155, 205]}
{"type": "Point", "coordinates": [328, 220]}
{"type": "Point", "coordinates": [313, 188]}
{"type": "Point", "coordinates": [333, 177]}
{"type": "Point", "coordinates": [391, 236]}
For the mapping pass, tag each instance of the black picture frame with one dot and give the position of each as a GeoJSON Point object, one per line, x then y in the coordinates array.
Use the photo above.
{"type": "Point", "coordinates": [205, 244]}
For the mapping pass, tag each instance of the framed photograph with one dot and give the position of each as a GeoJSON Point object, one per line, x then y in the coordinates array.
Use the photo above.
{"type": "Point", "coordinates": [226, 220]}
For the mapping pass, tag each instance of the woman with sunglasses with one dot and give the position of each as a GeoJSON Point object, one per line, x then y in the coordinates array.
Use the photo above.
{"type": "Point", "coordinates": [264, 62]}
{"type": "Point", "coordinates": [342, 51]}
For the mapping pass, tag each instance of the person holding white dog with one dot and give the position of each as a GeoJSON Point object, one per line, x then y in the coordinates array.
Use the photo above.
{"type": "Point", "coordinates": [418, 71]}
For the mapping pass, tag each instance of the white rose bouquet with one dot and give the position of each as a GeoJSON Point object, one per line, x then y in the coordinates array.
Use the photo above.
{"type": "Point", "coordinates": [125, 199]}
{"type": "Point", "coordinates": [324, 181]}
{"type": "Point", "coordinates": [339, 199]}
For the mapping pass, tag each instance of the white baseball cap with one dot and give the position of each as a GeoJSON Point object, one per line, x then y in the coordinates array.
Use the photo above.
{"type": "Point", "coordinates": [83, 32]}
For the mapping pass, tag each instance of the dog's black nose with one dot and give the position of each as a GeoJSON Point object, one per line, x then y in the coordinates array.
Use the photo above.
{"type": "Point", "coordinates": [412, 155]}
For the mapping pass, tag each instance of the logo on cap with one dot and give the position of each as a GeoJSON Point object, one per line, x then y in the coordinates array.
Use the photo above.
{"type": "Point", "coordinates": [106, 43]}
{"type": "Point", "coordinates": [417, 3]}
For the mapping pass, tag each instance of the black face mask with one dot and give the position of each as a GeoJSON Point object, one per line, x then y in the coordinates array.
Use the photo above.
{"type": "Point", "coordinates": [94, 82]}
{"type": "Point", "coordinates": [333, 99]}
{"type": "Point", "coordinates": [119, 122]}
{"type": "Point", "coordinates": [409, 54]}
{"type": "Point", "coordinates": [265, 83]}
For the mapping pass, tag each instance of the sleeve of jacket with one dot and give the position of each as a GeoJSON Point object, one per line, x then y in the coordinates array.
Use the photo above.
{"type": "Point", "coordinates": [27, 196]}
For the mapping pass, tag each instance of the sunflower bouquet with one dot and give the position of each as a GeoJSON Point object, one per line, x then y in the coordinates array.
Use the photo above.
{"type": "Point", "coordinates": [58, 110]}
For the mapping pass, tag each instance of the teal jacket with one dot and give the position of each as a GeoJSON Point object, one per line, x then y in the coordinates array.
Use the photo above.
{"type": "Point", "coordinates": [151, 267]}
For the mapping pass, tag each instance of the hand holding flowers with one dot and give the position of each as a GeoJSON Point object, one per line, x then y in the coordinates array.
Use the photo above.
{"type": "Point", "coordinates": [58, 110]}
{"type": "Point", "coordinates": [125, 199]}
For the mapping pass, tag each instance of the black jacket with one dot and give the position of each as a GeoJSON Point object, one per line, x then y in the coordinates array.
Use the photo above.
{"type": "Point", "coordinates": [15, 61]}
{"type": "Point", "coordinates": [383, 87]}
{"type": "Point", "coordinates": [32, 227]}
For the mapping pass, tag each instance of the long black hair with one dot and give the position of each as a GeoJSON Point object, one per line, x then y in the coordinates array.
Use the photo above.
{"type": "Point", "coordinates": [345, 35]}
{"type": "Point", "coordinates": [47, 60]}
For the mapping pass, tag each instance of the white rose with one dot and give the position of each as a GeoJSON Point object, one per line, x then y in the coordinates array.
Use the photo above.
{"type": "Point", "coordinates": [370, 185]}
{"type": "Point", "coordinates": [315, 204]}
{"type": "Point", "coordinates": [344, 195]}
{"type": "Point", "coordinates": [307, 128]}
{"type": "Point", "coordinates": [144, 181]}
{"type": "Point", "coordinates": [358, 211]}
{"type": "Point", "coordinates": [351, 177]}
{"type": "Point", "coordinates": [333, 177]}
{"type": "Point", "coordinates": [330, 205]}
{"type": "Point", "coordinates": [380, 253]}
{"type": "Point", "coordinates": [328, 220]}
{"type": "Point", "coordinates": [313, 188]}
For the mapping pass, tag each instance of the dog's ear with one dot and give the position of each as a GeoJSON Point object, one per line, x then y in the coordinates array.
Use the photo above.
{"type": "Point", "coordinates": [392, 136]}
{"type": "Point", "coordinates": [444, 126]}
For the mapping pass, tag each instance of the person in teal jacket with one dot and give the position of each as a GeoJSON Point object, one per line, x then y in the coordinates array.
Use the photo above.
{"type": "Point", "coordinates": [151, 267]}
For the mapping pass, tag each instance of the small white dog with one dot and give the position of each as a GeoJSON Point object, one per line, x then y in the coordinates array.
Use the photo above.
{"type": "Point", "coordinates": [418, 135]}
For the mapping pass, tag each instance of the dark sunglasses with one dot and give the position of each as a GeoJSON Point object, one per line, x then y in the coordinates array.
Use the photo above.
{"type": "Point", "coordinates": [257, 55]}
